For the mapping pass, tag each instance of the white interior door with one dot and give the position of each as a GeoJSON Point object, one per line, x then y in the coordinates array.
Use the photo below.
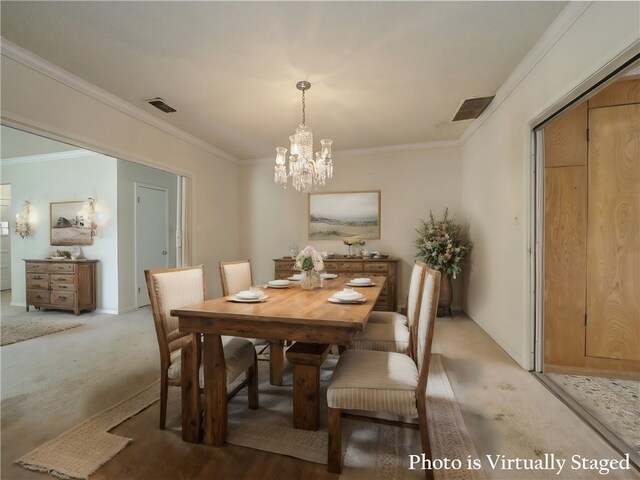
{"type": "Point", "coordinates": [5, 245]}
{"type": "Point", "coordinates": [152, 235]}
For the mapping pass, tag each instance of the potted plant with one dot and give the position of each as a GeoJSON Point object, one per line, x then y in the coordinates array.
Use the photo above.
{"type": "Point", "coordinates": [441, 245]}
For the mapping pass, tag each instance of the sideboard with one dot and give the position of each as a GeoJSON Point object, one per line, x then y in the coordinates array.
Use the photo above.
{"type": "Point", "coordinates": [61, 284]}
{"type": "Point", "coordinates": [356, 267]}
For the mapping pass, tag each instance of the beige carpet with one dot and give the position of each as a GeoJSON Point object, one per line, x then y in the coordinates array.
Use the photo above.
{"type": "Point", "coordinates": [16, 328]}
{"type": "Point", "coordinates": [82, 450]}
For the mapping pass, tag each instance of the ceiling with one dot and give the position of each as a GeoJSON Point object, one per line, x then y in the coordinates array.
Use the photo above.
{"type": "Point", "coordinates": [382, 73]}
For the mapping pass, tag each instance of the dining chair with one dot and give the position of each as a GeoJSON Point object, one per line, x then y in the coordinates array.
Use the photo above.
{"type": "Point", "coordinates": [178, 287]}
{"type": "Point", "coordinates": [237, 276]}
{"type": "Point", "coordinates": [385, 382]}
{"type": "Point", "coordinates": [394, 333]}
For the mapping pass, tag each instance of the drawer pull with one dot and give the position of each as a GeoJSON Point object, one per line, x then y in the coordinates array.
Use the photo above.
{"type": "Point", "coordinates": [37, 277]}
{"type": "Point", "coordinates": [38, 296]}
{"type": "Point", "coordinates": [61, 279]}
{"type": "Point", "coordinates": [61, 297]}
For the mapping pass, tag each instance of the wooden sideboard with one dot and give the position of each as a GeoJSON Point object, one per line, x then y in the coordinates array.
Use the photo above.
{"type": "Point", "coordinates": [61, 284]}
{"type": "Point", "coordinates": [356, 267]}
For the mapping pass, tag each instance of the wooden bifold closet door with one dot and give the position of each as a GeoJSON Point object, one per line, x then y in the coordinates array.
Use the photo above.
{"type": "Point", "coordinates": [613, 234]}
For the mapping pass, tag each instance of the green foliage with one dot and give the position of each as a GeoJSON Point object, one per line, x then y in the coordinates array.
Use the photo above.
{"type": "Point", "coordinates": [441, 245]}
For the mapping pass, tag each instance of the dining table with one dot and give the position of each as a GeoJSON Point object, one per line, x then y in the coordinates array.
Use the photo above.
{"type": "Point", "coordinates": [306, 317]}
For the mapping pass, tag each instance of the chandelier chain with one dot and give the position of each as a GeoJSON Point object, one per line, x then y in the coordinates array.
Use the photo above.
{"type": "Point", "coordinates": [303, 109]}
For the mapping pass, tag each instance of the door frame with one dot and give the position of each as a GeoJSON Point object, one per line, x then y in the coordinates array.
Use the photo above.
{"type": "Point", "coordinates": [135, 235]}
{"type": "Point", "coordinates": [535, 184]}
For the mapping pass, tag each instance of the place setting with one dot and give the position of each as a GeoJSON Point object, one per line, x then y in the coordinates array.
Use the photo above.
{"type": "Point", "coordinates": [347, 296]}
{"type": "Point", "coordinates": [248, 296]}
{"type": "Point", "coordinates": [328, 276]}
{"type": "Point", "coordinates": [296, 277]}
{"type": "Point", "coordinates": [284, 283]}
{"type": "Point", "coordinates": [361, 282]}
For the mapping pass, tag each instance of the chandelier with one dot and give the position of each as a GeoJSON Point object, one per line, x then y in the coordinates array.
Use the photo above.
{"type": "Point", "coordinates": [306, 170]}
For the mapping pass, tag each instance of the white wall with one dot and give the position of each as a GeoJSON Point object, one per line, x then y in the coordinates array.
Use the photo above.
{"type": "Point", "coordinates": [72, 179]}
{"type": "Point", "coordinates": [128, 175]}
{"type": "Point", "coordinates": [496, 176]}
{"type": "Point", "coordinates": [42, 103]}
{"type": "Point", "coordinates": [411, 184]}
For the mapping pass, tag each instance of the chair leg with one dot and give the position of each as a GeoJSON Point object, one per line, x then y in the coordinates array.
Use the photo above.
{"type": "Point", "coordinates": [252, 375]}
{"type": "Point", "coordinates": [424, 436]}
{"type": "Point", "coordinates": [334, 450]}
{"type": "Point", "coordinates": [164, 391]}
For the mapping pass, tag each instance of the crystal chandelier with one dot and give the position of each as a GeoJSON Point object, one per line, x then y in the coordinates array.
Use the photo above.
{"type": "Point", "coordinates": [305, 169]}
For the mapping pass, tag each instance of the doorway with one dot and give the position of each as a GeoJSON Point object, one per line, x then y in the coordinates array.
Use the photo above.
{"type": "Point", "coordinates": [152, 235]}
{"type": "Point", "coordinates": [589, 232]}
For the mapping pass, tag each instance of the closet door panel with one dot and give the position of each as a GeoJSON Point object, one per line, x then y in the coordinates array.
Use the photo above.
{"type": "Point", "coordinates": [613, 235]}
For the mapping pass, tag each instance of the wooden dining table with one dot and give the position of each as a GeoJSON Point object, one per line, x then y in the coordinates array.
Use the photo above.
{"type": "Point", "coordinates": [302, 316]}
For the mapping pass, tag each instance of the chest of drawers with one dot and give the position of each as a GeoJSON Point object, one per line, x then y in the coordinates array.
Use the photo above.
{"type": "Point", "coordinates": [61, 284]}
{"type": "Point", "coordinates": [356, 267]}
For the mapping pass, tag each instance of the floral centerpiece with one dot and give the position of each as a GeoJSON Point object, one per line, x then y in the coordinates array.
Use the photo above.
{"type": "Point", "coordinates": [441, 245]}
{"type": "Point", "coordinates": [310, 263]}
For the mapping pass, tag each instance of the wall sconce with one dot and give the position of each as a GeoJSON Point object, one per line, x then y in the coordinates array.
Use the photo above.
{"type": "Point", "coordinates": [92, 216]}
{"type": "Point", "coordinates": [23, 220]}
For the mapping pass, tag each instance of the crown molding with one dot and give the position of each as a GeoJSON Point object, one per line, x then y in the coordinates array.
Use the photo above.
{"type": "Point", "coordinates": [31, 60]}
{"type": "Point", "coordinates": [563, 22]}
{"type": "Point", "coordinates": [46, 157]}
{"type": "Point", "coordinates": [358, 152]}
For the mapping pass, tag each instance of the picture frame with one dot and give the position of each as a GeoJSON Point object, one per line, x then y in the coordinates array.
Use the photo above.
{"type": "Point", "coordinates": [70, 223]}
{"type": "Point", "coordinates": [344, 215]}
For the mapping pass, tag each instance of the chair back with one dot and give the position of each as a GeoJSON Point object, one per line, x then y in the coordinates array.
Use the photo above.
{"type": "Point", "coordinates": [235, 276]}
{"type": "Point", "coordinates": [170, 289]}
{"type": "Point", "coordinates": [424, 326]}
{"type": "Point", "coordinates": [415, 285]}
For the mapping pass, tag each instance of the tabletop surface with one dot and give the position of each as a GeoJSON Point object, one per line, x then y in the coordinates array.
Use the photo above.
{"type": "Point", "coordinates": [294, 305]}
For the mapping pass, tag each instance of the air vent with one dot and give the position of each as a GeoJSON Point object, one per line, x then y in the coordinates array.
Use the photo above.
{"type": "Point", "coordinates": [160, 105]}
{"type": "Point", "coordinates": [472, 108]}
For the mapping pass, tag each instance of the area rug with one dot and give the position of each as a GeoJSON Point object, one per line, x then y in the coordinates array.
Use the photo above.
{"type": "Point", "coordinates": [81, 450]}
{"type": "Point", "coordinates": [18, 328]}
{"type": "Point", "coordinates": [370, 450]}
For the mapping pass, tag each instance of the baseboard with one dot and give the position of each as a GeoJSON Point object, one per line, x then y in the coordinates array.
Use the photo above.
{"type": "Point", "coordinates": [595, 372]}
{"type": "Point", "coordinates": [106, 310]}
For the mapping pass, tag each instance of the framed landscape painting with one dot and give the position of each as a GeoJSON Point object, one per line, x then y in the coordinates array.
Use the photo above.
{"type": "Point", "coordinates": [70, 224]}
{"type": "Point", "coordinates": [339, 216]}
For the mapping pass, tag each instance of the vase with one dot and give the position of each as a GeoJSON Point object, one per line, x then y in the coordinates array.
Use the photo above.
{"type": "Point", "coordinates": [446, 295]}
{"type": "Point", "coordinates": [310, 280]}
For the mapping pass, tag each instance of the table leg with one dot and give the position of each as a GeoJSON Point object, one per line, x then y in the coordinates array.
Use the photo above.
{"type": "Point", "coordinates": [190, 365]}
{"type": "Point", "coordinates": [276, 362]}
{"type": "Point", "coordinates": [215, 391]}
{"type": "Point", "coordinates": [306, 359]}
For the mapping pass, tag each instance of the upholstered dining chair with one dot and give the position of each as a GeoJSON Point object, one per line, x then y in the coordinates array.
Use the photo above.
{"type": "Point", "coordinates": [385, 382]}
{"type": "Point", "coordinates": [236, 276]}
{"type": "Point", "coordinates": [179, 287]}
{"type": "Point", "coordinates": [392, 332]}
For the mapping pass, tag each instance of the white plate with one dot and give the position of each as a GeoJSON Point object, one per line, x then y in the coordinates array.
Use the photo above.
{"type": "Point", "coordinates": [328, 276]}
{"type": "Point", "coordinates": [295, 278]}
{"type": "Point", "coordinates": [337, 300]}
{"type": "Point", "coordinates": [247, 295]}
{"type": "Point", "coordinates": [348, 297]}
{"type": "Point", "coordinates": [360, 281]}
{"type": "Point", "coordinates": [279, 283]}
{"type": "Point", "coordinates": [370, 284]}
{"type": "Point", "coordinates": [279, 286]}
{"type": "Point", "coordinates": [233, 298]}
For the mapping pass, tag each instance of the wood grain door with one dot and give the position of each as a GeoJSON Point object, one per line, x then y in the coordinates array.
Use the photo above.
{"type": "Point", "coordinates": [613, 234]}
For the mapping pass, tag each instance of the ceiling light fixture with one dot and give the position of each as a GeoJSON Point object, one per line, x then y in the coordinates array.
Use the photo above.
{"type": "Point", "coordinates": [305, 169]}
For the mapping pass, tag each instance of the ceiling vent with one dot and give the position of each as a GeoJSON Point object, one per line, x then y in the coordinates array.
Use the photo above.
{"type": "Point", "coordinates": [472, 108]}
{"type": "Point", "coordinates": [160, 105]}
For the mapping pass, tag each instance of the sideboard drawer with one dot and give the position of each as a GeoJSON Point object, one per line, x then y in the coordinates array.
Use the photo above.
{"type": "Point", "coordinates": [350, 266]}
{"type": "Point", "coordinates": [38, 284]}
{"type": "Point", "coordinates": [382, 303]}
{"type": "Point", "coordinates": [37, 297]}
{"type": "Point", "coordinates": [63, 287]}
{"type": "Point", "coordinates": [285, 265]}
{"type": "Point", "coordinates": [62, 267]}
{"type": "Point", "coordinates": [67, 299]}
{"type": "Point", "coordinates": [283, 275]}
{"type": "Point", "coordinates": [44, 277]}
{"type": "Point", "coordinates": [37, 267]}
{"type": "Point", "coordinates": [60, 278]}
{"type": "Point", "coordinates": [376, 267]}
{"type": "Point", "coordinates": [331, 267]}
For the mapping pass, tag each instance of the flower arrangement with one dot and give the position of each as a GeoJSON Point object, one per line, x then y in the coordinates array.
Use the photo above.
{"type": "Point", "coordinates": [440, 244]}
{"type": "Point", "coordinates": [309, 259]}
